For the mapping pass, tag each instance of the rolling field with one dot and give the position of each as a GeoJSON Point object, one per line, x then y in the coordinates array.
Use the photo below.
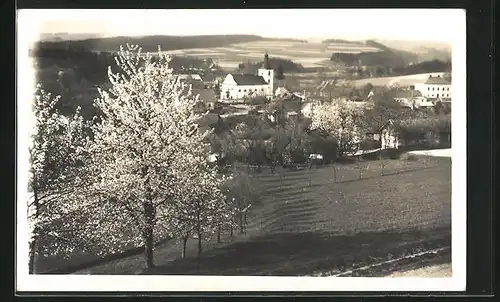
{"type": "Point", "coordinates": [307, 224]}
{"type": "Point", "coordinates": [307, 54]}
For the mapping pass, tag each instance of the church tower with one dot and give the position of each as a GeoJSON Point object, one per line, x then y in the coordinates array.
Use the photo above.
{"type": "Point", "coordinates": [267, 73]}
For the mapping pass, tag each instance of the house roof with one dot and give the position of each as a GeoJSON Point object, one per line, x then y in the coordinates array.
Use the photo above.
{"type": "Point", "coordinates": [190, 77]}
{"type": "Point", "coordinates": [437, 81]}
{"type": "Point", "coordinates": [281, 91]}
{"type": "Point", "coordinates": [248, 79]}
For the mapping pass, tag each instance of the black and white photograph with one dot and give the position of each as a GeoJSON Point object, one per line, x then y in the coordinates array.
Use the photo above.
{"type": "Point", "coordinates": [241, 150]}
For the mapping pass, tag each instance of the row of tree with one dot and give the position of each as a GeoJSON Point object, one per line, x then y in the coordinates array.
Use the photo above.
{"type": "Point", "coordinates": [133, 175]}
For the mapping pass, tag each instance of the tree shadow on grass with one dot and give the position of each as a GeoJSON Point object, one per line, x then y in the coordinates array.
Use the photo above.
{"type": "Point", "coordinates": [305, 253]}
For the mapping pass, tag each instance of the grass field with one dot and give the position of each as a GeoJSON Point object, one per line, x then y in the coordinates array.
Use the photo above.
{"type": "Point", "coordinates": [307, 224]}
{"type": "Point", "coordinates": [307, 54]}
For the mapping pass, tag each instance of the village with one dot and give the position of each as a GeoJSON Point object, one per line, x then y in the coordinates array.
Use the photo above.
{"type": "Point", "coordinates": [239, 155]}
{"type": "Point", "coordinates": [241, 93]}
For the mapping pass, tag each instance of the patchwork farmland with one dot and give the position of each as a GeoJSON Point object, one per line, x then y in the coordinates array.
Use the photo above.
{"type": "Point", "coordinates": [308, 224]}
{"type": "Point", "coordinates": [307, 54]}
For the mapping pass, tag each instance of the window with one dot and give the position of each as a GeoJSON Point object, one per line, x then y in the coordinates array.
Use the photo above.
{"type": "Point", "coordinates": [244, 90]}
{"type": "Point", "coordinates": [428, 88]}
{"type": "Point", "coordinates": [432, 88]}
{"type": "Point", "coordinates": [262, 89]}
{"type": "Point", "coordinates": [239, 90]}
{"type": "Point", "coordinates": [255, 89]}
{"type": "Point", "coordinates": [269, 73]}
{"type": "Point", "coordinates": [448, 89]}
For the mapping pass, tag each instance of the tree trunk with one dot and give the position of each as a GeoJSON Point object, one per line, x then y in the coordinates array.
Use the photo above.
{"type": "Point", "coordinates": [184, 242]}
{"type": "Point", "coordinates": [241, 223]}
{"type": "Point", "coordinates": [231, 227]}
{"type": "Point", "coordinates": [148, 234]}
{"type": "Point", "coordinates": [245, 223]}
{"type": "Point", "coordinates": [32, 253]}
{"type": "Point", "coordinates": [33, 244]}
{"type": "Point", "coordinates": [199, 250]}
{"type": "Point", "coordinates": [334, 173]}
{"type": "Point", "coordinates": [218, 233]}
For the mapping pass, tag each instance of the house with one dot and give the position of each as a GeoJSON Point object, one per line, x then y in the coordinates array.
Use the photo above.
{"type": "Point", "coordinates": [192, 79]}
{"type": "Point", "coordinates": [389, 135]}
{"type": "Point", "coordinates": [206, 97]}
{"type": "Point", "coordinates": [435, 87]}
{"type": "Point", "coordinates": [238, 86]}
{"type": "Point", "coordinates": [282, 92]}
{"type": "Point", "coordinates": [409, 98]}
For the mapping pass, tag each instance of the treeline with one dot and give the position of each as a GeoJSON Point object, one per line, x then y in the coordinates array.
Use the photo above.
{"type": "Point", "coordinates": [424, 67]}
{"type": "Point", "coordinates": [150, 43]}
{"type": "Point", "coordinates": [287, 66]}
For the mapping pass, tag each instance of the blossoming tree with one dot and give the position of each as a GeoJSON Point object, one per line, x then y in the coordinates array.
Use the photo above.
{"type": "Point", "coordinates": [342, 122]}
{"type": "Point", "coordinates": [58, 160]}
{"type": "Point", "coordinates": [148, 122]}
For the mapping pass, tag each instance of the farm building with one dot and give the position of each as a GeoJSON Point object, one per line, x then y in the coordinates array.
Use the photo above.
{"type": "Point", "coordinates": [435, 87]}
{"type": "Point", "coordinates": [192, 79]}
{"type": "Point", "coordinates": [238, 86]}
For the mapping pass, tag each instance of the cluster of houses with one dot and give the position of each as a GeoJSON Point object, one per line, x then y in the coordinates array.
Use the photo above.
{"type": "Point", "coordinates": [434, 89]}
{"type": "Point", "coordinates": [235, 87]}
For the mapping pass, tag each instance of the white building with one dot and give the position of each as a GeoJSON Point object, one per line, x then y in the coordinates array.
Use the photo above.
{"type": "Point", "coordinates": [435, 87]}
{"type": "Point", "coordinates": [238, 86]}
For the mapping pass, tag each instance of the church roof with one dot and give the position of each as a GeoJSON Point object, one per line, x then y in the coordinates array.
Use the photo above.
{"type": "Point", "coordinates": [437, 81]}
{"type": "Point", "coordinates": [248, 79]}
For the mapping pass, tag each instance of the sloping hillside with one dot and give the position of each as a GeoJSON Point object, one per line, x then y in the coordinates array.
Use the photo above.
{"type": "Point", "coordinates": [307, 223]}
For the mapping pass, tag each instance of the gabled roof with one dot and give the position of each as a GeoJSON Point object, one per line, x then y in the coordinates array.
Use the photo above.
{"type": "Point", "coordinates": [437, 81]}
{"type": "Point", "coordinates": [248, 79]}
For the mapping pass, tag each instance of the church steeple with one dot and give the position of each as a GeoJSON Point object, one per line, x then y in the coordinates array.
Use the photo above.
{"type": "Point", "coordinates": [267, 65]}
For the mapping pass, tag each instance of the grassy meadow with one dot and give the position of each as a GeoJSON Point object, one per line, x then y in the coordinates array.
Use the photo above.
{"type": "Point", "coordinates": [306, 223]}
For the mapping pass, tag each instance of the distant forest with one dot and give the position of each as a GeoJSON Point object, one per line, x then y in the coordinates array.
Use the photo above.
{"type": "Point", "coordinates": [150, 43]}
{"type": "Point", "coordinates": [276, 63]}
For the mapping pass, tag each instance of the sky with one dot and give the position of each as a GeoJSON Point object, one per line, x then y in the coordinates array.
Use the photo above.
{"type": "Point", "coordinates": [437, 25]}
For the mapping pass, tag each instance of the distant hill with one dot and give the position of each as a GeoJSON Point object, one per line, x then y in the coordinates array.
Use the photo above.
{"type": "Point", "coordinates": [285, 40]}
{"type": "Point", "coordinates": [62, 36]}
{"type": "Point", "coordinates": [341, 41]}
{"type": "Point", "coordinates": [425, 50]}
{"type": "Point", "coordinates": [150, 43]}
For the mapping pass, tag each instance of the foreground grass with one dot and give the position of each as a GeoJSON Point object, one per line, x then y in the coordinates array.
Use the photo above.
{"type": "Point", "coordinates": [307, 223]}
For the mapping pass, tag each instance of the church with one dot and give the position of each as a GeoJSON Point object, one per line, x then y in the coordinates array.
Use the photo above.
{"type": "Point", "coordinates": [237, 86]}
